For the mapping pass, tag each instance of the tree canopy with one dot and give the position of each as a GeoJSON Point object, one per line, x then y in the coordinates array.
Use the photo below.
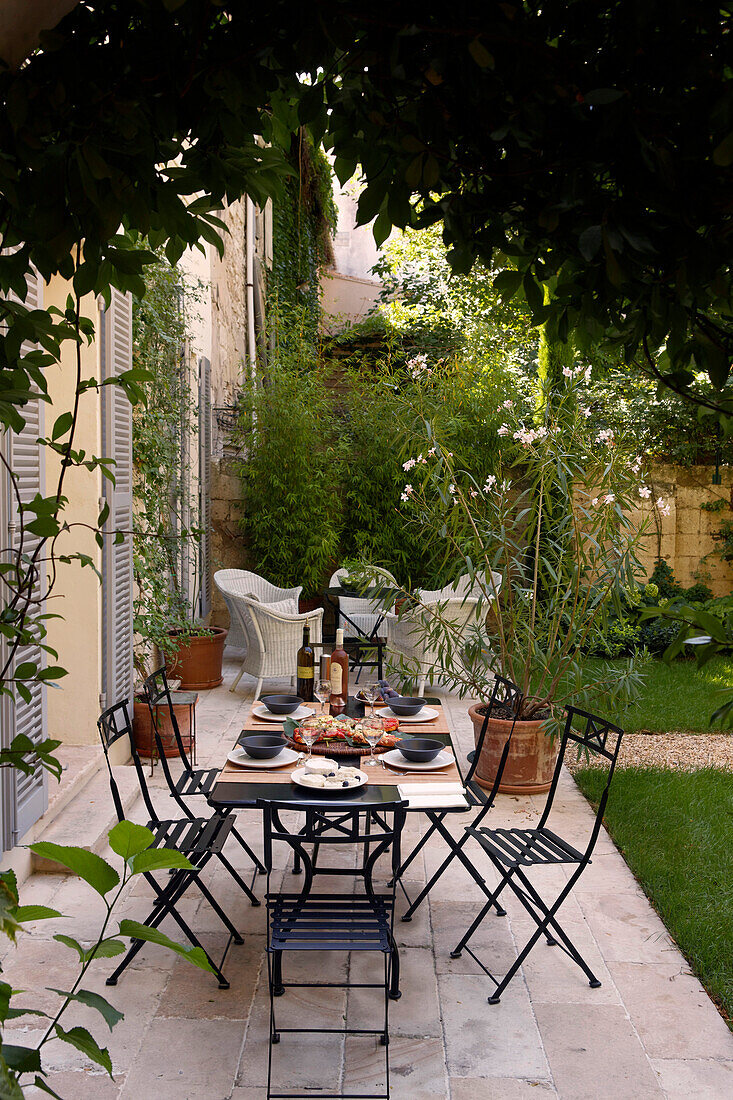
{"type": "Point", "coordinates": [586, 144]}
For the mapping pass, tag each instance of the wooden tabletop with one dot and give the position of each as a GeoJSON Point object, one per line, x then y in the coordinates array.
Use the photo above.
{"type": "Point", "coordinates": [379, 777]}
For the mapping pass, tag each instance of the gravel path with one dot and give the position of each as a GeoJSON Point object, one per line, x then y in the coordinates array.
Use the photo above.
{"type": "Point", "coordinates": [673, 750]}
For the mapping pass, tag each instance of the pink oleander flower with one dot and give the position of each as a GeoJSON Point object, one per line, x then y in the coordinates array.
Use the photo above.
{"type": "Point", "coordinates": [503, 430]}
{"type": "Point", "coordinates": [409, 464]}
{"type": "Point", "coordinates": [644, 492]}
{"type": "Point", "coordinates": [407, 492]}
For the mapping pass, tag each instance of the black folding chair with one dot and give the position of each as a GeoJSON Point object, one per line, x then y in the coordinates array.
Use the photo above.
{"type": "Point", "coordinates": [512, 851]}
{"type": "Point", "coordinates": [197, 838]}
{"type": "Point", "coordinates": [192, 782]}
{"type": "Point", "coordinates": [504, 694]}
{"type": "Point", "coordinates": [312, 921]}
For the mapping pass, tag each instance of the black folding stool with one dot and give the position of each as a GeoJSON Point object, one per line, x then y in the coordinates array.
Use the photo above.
{"type": "Point", "coordinates": [308, 921]}
{"type": "Point", "coordinates": [192, 782]}
{"type": "Point", "coordinates": [504, 694]}
{"type": "Point", "coordinates": [197, 838]}
{"type": "Point", "coordinates": [513, 850]}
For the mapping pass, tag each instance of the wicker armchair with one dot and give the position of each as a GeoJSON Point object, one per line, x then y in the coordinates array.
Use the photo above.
{"type": "Point", "coordinates": [273, 630]}
{"type": "Point", "coordinates": [364, 613]}
{"type": "Point", "coordinates": [240, 582]}
{"type": "Point", "coordinates": [462, 604]}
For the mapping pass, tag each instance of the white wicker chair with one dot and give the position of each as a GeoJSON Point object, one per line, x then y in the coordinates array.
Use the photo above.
{"type": "Point", "coordinates": [273, 630]}
{"type": "Point", "coordinates": [462, 604]}
{"type": "Point", "coordinates": [240, 582]}
{"type": "Point", "coordinates": [364, 613]}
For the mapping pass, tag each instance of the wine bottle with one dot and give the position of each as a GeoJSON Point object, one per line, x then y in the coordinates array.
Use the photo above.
{"type": "Point", "coordinates": [337, 700]}
{"type": "Point", "coordinates": [304, 662]}
{"type": "Point", "coordinates": [341, 657]}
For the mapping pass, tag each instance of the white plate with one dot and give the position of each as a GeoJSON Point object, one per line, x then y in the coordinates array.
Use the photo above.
{"type": "Point", "coordinates": [427, 714]}
{"type": "Point", "coordinates": [260, 711]}
{"type": "Point", "coordinates": [326, 792]}
{"type": "Point", "coordinates": [396, 760]}
{"type": "Point", "coordinates": [239, 756]}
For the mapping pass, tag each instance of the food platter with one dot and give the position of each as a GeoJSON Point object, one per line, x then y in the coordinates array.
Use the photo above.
{"type": "Point", "coordinates": [341, 737]}
{"type": "Point", "coordinates": [302, 778]}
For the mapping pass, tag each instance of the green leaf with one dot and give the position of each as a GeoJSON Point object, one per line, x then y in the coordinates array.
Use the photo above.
{"type": "Point", "coordinates": [21, 1059]}
{"type": "Point", "coordinates": [62, 425]}
{"type": "Point", "coordinates": [41, 1084]}
{"type": "Point", "coordinates": [9, 1087]}
{"type": "Point", "coordinates": [139, 931]}
{"type": "Point", "coordinates": [126, 839]}
{"type": "Point", "coordinates": [106, 949]}
{"type": "Point", "coordinates": [69, 941]}
{"type": "Point", "coordinates": [37, 912]}
{"type": "Point", "coordinates": [590, 241]}
{"type": "Point", "coordinates": [723, 152]}
{"type": "Point", "coordinates": [599, 97]}
{"type": "Point", "coordinates": [382, 228]}
{"type": "Point", "coordinates": [80, 1038]}
{"type": "Point", "coordinates": [158, 859]}
{"type": "Point", "coordinates": [480, 54]}
{"type": "Point", "coordinates": [87, 865]}
{"type": "Point", "coordinates": [95, 1001]}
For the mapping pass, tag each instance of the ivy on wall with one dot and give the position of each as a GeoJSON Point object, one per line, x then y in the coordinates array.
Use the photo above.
{"type": "Point", "coordinates": [303, 223]}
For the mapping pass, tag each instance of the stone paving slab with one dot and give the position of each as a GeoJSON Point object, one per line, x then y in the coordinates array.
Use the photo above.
{"type": "Point", "coordinates": [649, 1032]}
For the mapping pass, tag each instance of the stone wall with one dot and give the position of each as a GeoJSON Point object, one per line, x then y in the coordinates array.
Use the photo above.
{"type": "Point", "coordinates": [227, 546]}
{"type": "Point", "coordinates": [684, 537]}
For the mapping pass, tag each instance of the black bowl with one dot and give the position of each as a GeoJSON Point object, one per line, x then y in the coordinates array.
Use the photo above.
{"type": "Point", "coordinates": [281, 704]}
{"type": "Point", "coordinates": [406, 706]}
{"type": "Point", "coordinates": [420, 750]}
{"type": "Point", "coordinates": [262, 746]}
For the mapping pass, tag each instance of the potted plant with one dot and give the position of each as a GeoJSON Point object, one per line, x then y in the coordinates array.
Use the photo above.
{"type": "Point", "coordinates": [554, 522]}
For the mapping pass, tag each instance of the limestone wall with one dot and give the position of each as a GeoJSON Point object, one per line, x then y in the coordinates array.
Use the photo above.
{"type": "Point", "coordinates": [684, 537]}
{"type": "Point", "coordinates": [227, 546]}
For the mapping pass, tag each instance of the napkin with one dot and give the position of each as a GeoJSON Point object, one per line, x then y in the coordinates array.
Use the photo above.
{"type": "Point", "coordinates": [434, 796]}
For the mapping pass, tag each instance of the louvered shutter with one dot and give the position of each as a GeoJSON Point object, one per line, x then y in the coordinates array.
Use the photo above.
{"type": "Point", "coordinates": [116, 356]}
{"type": "Point", "coordinates": [205, 486]}
{"type": "Point", "coordinates": [27, 794]}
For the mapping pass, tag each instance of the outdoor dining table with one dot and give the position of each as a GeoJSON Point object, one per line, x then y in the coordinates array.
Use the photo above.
{"type": "Point", "coordinates": [239, 789]}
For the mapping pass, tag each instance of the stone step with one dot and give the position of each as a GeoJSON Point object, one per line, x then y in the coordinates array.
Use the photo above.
{"type": "Point", "coordinates": [88, 817]}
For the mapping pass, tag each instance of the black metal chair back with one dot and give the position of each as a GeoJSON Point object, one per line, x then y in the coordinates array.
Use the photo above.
{"type": "Point", "coordinates": [507, 695]}
{"type": "Point", "coordinates": [589, 734]}
{"type": "Point", "coordinates": [113, 724]}
{"type": "Point", "coordinates": [336, 826]}
{"type": "Point", "coordinates": [158, 693]}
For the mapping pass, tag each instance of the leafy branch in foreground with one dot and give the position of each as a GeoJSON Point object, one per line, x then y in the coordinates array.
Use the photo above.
{"type": "Point", "coordinates": [133, 844]}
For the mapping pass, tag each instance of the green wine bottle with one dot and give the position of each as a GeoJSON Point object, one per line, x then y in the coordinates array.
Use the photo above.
{"type": "Point", "coordinates": [305, 663]}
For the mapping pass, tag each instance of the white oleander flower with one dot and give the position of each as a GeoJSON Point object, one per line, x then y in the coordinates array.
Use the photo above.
{"type": "Point", "coordinates": [407, 492]}
{"type": "Point", "coordinates": [409, 464]}
{"type": "Point", "coordinates": [644, 492]}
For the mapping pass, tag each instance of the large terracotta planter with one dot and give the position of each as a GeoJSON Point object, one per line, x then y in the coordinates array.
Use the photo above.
{"type": "Point", "coordinates": [531, 760]}
{"type": "Point", "coordinates": [197, 661]}
{"type": "Point", "coordinates": [142, 728]}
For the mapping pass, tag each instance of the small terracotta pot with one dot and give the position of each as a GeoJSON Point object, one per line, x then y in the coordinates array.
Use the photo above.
{"type": "Point", "coordinates": [142, 728]}
{"type": "Point", "coordinates": [531, 760]}
{"type": "Point", "coordinates": [197, 660]}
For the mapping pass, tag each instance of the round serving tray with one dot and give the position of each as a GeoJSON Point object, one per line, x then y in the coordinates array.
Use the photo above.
{"type": "Point", "coordinates": [335, 748]}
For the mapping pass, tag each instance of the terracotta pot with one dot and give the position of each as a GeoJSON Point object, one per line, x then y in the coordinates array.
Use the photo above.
{"type": "Point", "coordinates": [531, 760]}
{"type": "Point", "coordinates": [142, 728]}
{"type": "Point", "coordinates": [197, 661]}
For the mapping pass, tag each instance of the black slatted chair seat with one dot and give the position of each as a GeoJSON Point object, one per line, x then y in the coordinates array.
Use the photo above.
{"type": "Point", "coordinates": [323, 922]}
{"type": "Point", "coordinates": [192, 836]}
{"type": "Point", "coordinates": [526, 847]}
{"type": "Point", "coordinates": [197, 781]}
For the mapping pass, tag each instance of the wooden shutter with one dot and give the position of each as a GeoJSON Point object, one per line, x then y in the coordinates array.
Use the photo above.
{"type": "Point", "coordinates": [25, 796]}
{"type": "Point", "coordinates": [205, 486]}
{"type": "Point", "coordinates": [116, 357]}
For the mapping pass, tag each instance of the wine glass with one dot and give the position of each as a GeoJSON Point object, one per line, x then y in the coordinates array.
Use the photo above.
{"type": "Point", "coordinates": [309, 731]}
{"type": "Point", "coordinates": [373, 729]}
{"type": "Point", "coordinates": [371, 694]}
{"type": "Point", "coordinates": [322, 692]}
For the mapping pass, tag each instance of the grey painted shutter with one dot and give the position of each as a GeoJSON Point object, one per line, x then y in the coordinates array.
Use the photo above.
{"type": "Point", "coordinates": [27, 794]}
{"type": "Point", "coordinates": [205, 486]}
{"type": "Point", "coordinates": [116, 356]}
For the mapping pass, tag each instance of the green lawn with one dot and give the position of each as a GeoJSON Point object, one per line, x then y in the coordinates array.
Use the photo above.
{"type": "Point", "coordinates": [674, 830]}
{"type": "Point", "coordinates": [679, 697]}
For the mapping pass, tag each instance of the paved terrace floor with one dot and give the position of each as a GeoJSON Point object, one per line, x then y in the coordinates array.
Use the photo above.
{"type": "Point", "coordinates": [650, 1031]}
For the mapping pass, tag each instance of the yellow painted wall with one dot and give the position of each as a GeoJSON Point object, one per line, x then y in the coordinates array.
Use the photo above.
{"type": "Point", "coordinates": [77, 594]}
